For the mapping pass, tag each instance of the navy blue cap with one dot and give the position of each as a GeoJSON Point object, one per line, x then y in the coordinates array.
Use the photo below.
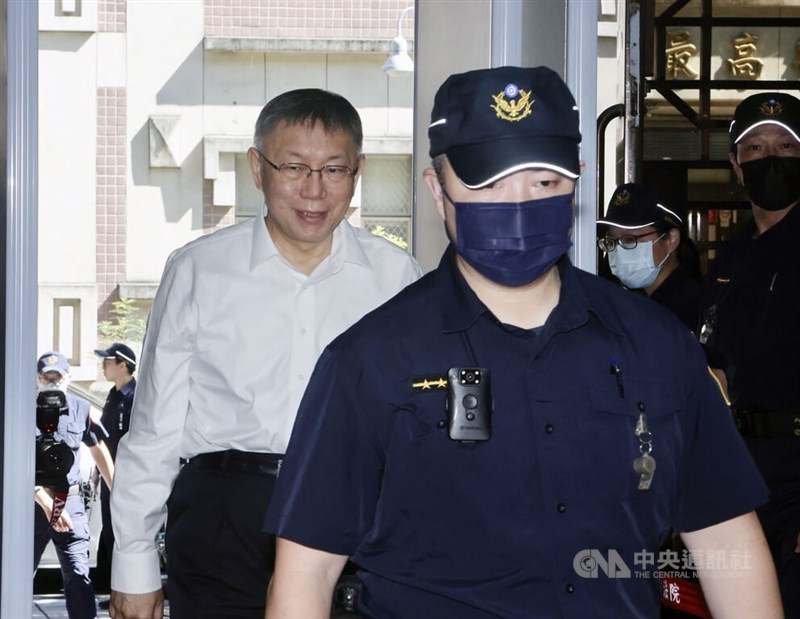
{"type": "Point", "coordinates": [765, 108]}
{"type": "Point", "coordinates": [635, 206]}
{"type": "Point", "coordinates": [53, 361]}
{"type": "Point", "coordinates": [493, 122]}
{"type": "Point", "coordinates": [118, 351]}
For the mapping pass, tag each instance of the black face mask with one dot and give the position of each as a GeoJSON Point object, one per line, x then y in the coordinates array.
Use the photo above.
{"type": "Point", "coordinates": [773, 183]}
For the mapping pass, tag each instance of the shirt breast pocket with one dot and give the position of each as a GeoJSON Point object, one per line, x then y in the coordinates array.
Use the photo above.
{"type": "Point", "coordinates": [624, 427]}
{"type": "Point", "coordinates": [420, 431]}
{"type": "Point", "coordinates": [72, 434]}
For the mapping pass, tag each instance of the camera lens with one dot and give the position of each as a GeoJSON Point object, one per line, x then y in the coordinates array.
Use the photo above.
{"type": "Point", "coordinates": [470, 377]}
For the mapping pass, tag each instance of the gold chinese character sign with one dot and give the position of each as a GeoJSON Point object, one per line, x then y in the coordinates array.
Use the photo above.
{"type": "Point", "coordinates": [679, 51]}
{"type": "Point", "coordinates": [745, 63]}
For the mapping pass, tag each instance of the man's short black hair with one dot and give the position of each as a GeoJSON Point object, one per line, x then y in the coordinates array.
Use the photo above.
{"type": "Point", "coordinates": [312, 106]}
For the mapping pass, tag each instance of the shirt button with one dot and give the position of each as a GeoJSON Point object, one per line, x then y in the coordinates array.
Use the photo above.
{"type": "Point", "coordinates": [570, 588]}
{"type": "Point", "coordinates": [548, 428]}
{"type": "Point", "coordinates": [300, 377]}
{"type": "Point", "coordinates": [561, 508]}
{"type": "Point", "coordinates": [302, 330]}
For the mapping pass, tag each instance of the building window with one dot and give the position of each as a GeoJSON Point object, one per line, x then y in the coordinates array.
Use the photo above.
{"type": "Point", "coordinates": [67, 329]}
{"type": "Point", "coordinates": [386, 198]}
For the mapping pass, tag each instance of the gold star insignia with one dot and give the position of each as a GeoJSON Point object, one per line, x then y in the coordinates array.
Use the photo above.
{"type": "Point", "coordinates": [429, 383]}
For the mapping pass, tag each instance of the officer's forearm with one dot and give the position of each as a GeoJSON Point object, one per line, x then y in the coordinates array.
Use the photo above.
{"type": "Point", "coordinates": [749, 589]}
{"type": "Point", "coordinates": [102, 458]}
{"type": "Point", "coordinates": [43, 499]}
{"type": "Point", "coordinates": [303, 582]}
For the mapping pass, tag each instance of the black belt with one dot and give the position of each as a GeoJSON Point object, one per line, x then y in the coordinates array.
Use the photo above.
{"type": "Point", "coordinates": [761, 423]}
{"type": "Point", "coordinates": [238, 461]}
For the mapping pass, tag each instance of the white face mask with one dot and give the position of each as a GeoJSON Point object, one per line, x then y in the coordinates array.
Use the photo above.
{"type": "Point", "coordinates": [635, 267]}
{"type": "Point", "coordinates": [61, 385]}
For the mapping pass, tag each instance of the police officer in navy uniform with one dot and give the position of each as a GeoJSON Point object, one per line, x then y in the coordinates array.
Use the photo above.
{"type": "Point", "coordinates": [648, 251]}
{"type": "Point", "coordinates": [70, 531]}
{"type": "Point", "coordinates": [119, 364]}
{"type": "Point", "coordinates": [476, 443]}
{"type": "Point", "coordinates": [751, 327]}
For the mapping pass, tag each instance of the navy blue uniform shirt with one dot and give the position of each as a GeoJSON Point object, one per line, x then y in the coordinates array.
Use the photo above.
{"type": "Point", "coordinates": [755, 286]}
{"type": "Point", "coordinates": [116, 416]}
{"type": "Point", "coordinates": [681, 294]}
{"type": "Point", "coordinates": [493, 529]}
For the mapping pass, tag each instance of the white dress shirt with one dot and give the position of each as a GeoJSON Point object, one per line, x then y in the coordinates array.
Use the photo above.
{"type": "Point", "coordinates": [232, 339]}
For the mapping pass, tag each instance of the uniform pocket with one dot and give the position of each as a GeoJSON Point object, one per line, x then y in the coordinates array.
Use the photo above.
{"type": "Point", "coordinates": [613, 442]}
{"type": "Point", "coordinates": [73, 434]}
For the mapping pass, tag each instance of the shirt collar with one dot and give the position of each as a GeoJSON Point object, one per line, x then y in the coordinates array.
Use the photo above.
{"type": "Point", "coordinates": [262, 246]}
{"type": "Point", "coordinates": [461, 307]}
{"type": "Point", "coordinates": [344, 248]}
{"type": "Point", "coordinates": [128, 387]}
{"type": "Point", "coordinates": [574, 306]}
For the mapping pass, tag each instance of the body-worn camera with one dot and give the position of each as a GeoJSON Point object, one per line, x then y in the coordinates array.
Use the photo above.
{"type": "Point", "coordinates": [54, 458]}
{"type": "Point", "coordinates": [469, 404]}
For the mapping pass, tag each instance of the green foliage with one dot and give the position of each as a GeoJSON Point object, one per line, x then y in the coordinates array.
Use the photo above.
{"type": "Point", "coordinates": [127, 324]}
{"type": "Point", "coordinates": [381, 232]}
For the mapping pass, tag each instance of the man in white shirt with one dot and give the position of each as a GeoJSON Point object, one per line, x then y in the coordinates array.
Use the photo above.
{"type": "Point", "coordinates": [236, 327]}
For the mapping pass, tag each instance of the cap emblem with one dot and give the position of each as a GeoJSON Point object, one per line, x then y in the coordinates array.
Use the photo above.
{"type": "Point", "coordinates": [508, 107]}
{"type": "Point", "coordinates": [622, 198]}
{"type": "Point", "coordinates": [771, 108]}
{"type": "Point", "coordinates": [51, 359]}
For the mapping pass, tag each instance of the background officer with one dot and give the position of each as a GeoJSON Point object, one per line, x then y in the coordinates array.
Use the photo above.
{"type": "Point", "coordinates": [648, 251]}
{"type": "Point", "coordinates": [70, 533]}
{"type": "Point", "coordinates": [751, 313]}
{"type": "Point", "coordinates": [119, 364]}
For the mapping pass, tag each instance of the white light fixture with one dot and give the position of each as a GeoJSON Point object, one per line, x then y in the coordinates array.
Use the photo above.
{"type": "Point", "coordinates": [399, 61]}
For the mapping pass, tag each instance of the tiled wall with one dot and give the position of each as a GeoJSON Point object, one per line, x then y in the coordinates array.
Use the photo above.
{"type": "Point", "coordinates": [325, 19]}
{"type": "Point", "coordinates": [111, 15]}
{"type": "Point", "coordinates": [111, 172]}
{"type": "Point", "coordinates": [215, 217]}
{"type": "Point", "coordinates": [111, 194]}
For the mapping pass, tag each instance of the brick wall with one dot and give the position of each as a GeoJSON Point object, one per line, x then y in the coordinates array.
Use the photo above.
{"type": "Point", "coordinates": [325, 19]}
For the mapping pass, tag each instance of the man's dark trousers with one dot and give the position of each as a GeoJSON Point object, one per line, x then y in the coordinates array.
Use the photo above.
{"type": "Point", "coordinates": [219, 561]}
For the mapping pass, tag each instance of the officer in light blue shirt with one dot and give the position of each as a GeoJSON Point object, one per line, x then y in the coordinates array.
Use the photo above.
{"type": "Point", "coordinates": [66, 524]}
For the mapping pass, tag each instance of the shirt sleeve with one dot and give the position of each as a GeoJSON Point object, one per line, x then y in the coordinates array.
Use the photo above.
{"type": "Point", "coordinates": [92, 432]}
{"type": "Point", "coordinates": [147, 461]}
{"type": "Point", "coordinates": [719, 479]}
{"type": "Point", "coordinates": [334, 459]}
{"type": "Point", "coordinates": [97, 432]}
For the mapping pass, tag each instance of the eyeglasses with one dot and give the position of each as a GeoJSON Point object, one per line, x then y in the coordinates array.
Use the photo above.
{"type": "Point", "coordinates": [626, 241]}
{"type": "Point", "coordinates": [333, 174]}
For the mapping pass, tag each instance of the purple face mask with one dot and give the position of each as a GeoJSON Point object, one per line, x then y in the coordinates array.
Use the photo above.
{"type": "Point", "coordinates": [513, 243]}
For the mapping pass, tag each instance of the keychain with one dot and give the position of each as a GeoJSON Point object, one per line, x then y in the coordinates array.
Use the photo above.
{"type": "Point", "coordinates": [645, 464]}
